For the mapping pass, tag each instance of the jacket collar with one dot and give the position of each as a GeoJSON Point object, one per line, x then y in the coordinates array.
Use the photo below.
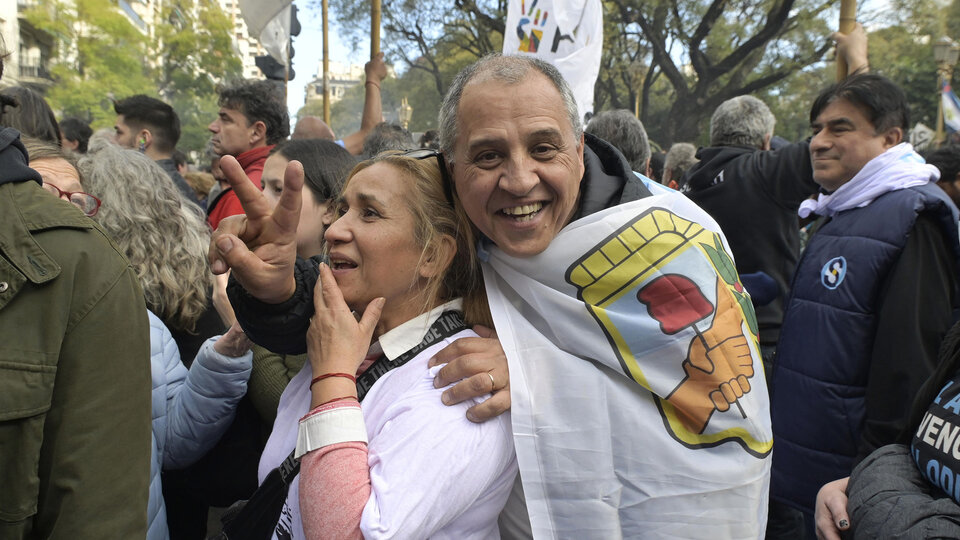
{"type": "Point", "coordinates": [254, 155]}
{"type": "Point", "coordinates": [608, 179]}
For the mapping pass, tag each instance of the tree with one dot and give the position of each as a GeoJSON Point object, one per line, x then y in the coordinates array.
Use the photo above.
{"type": "Point", "coordinates": [431, 36]}
{"type": "Point", "coordinates": [710, 51]}
{"type": "Point", "coordinates": [101, 56]}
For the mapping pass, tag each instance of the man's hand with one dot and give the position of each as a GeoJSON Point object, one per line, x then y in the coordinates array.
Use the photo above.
{"type": "Point", "coordinates": [830, 515]}
{"type": "Point", "coordinates": [481, 368]}
{"type": "Point", "coordinates": [852, 48]}
{"type": "Point", "coordinates": [261, 246]}
{"type": "Point", "coordinates": [376, 69]}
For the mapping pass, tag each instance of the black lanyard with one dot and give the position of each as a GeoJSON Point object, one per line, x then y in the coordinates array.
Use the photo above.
{"type": "Point", "coordinates": [448, 324]}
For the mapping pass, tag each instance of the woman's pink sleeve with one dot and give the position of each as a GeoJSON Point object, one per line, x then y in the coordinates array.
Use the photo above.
{"type": "Point", "coordinates": [334, 488]}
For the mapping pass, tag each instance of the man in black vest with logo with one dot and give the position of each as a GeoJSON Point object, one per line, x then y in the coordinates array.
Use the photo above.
{"type": "Point", "coordinates": [872, 296]}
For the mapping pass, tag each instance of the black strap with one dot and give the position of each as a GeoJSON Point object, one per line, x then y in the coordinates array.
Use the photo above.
{"type": "Point", "coordinates": [448, 324]}
{"type": "Point", "coordinates": [277, 482]}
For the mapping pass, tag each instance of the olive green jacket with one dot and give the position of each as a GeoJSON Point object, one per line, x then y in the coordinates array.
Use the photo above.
{"type": "Point", "coordinates": [74, 376]}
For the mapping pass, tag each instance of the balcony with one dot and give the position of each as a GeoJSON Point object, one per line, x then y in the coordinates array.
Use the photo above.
{"type": "Point", "coordinates": [34, 73]}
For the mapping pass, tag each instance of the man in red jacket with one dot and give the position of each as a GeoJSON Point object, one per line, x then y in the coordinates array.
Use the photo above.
{"type": "Point", "coordinates": [252, 119]}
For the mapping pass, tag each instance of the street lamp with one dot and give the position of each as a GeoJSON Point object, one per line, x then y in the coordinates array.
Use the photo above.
{"type": "Point", "coordinates": [405, 113]}
{"type": "Point", "coordinates": [946, 54]}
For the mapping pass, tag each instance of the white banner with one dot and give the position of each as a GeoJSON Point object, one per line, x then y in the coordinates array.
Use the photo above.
{"type": "Point", "coordinates": [639, 403]}
{"type": "Point", "coordinates": [566, 33]}
{"type": "Point", "coordinates": [269, 22]}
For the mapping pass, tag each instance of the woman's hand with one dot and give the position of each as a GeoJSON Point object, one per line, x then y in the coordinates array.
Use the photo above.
{"type": "Point", "coordinates": [830, 515]}
{"type": "Point", "coordinates": [234, 343]}
{"type": "Point", "coordinates": [336, 341]}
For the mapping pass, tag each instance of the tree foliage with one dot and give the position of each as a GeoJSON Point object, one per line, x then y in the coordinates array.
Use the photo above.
{"type": "Point", "coordinates": [710, 51]}
{"type": "Point", "coordinates": [102, 55]}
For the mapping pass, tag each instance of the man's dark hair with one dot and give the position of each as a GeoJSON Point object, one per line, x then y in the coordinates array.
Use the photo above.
{"type": "Point", "coordinates": [326, 164]}
{"type": "Point", "coordinates": [947, 159]}
{"type": "Point", "coordinates": [27, 112]}
{"type": "Point", "coordinates": [75, 129]}
{"type": "Point", "coordinates": [625, 131]}
{"type": "Point", "coordinates": [657, 160]}
{"type": "Point", "coordinates": [259, 101]}
{"type": "Point", "coordinates": [883, 102]}
{"type": "Point", "coordinates": [385, 136]}
{"type": "Point", "coordinates": [179, 158]}
{"type": "Point", "coordinates": [144, 112]}
{"type": "Point", "coordinates": [429, 139]}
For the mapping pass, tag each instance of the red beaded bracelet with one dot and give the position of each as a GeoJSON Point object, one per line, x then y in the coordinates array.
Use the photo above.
{"type": "Point", "coordinates": [328, 375]}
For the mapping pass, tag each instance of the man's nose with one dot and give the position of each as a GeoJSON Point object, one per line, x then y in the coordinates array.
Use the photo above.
{"type": "Point", "coordinates": [519, 177]}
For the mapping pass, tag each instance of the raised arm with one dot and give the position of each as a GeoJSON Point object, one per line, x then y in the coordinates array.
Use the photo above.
{"type": "Point", "coordinates": [376, 72]}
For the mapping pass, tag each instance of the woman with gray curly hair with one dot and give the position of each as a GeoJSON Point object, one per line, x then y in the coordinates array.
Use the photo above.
{"type": "Point", "coordinates": [164, 239]}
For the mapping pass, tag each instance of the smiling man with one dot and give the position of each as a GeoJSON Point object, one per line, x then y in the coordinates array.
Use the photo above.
{"type": "Point", "coordinates": [631, 345]}
{"type": "Point", "coordinates": [251, 120]}
{"type": "Point", "coordinates": [872, 296]}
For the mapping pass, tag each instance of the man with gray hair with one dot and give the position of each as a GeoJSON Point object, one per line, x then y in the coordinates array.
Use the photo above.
{"type": "Point", "coordinates": [680, 158]}
{"type": "Point", "coordinates": [754, 194]}
{"type": "Point", "coordinates": [626, 133]}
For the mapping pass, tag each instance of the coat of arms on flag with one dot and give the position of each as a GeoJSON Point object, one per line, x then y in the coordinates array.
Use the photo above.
{"type": "Point", "coordinates": [646, 266]}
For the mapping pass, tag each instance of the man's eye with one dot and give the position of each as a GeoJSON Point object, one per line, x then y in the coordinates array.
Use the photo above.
{"type": "Point", "coordinates": [543, 150]}
{"type": "Point", "coordinates": [487, 158]}
{"type": "Point", "coordinates": [370, 213]}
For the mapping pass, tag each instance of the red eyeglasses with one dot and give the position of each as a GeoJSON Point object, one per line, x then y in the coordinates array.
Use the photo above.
{"type": "Point", "coordinates": [87, 203]}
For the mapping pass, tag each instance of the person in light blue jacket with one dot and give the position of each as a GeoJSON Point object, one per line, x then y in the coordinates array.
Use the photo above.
{"type": "Point", "coordinates": [190, 408]}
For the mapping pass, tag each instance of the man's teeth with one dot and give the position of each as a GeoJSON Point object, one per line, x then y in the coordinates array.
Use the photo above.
{"type": "Point", "coordinates": [525, 212]}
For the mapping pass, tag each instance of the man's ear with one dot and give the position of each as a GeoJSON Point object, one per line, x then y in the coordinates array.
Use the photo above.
{"type": "Point", "coordinates": [766, 141]}
{"type": "Point", "coordinates": [438, 256]}
{"type": "Point", "coordinates": [259, 132]}
{"type": "Point", "coordinates": [145, 138]}
{"type": "Point", "coordinates": [892, 137]}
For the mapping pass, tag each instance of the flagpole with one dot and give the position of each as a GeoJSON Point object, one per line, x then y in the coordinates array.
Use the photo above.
{"type": "Point", "coordinates": [374, 28]}
{"type": "Point", "coordinates": [326, 65]}
{"type": "Point", "coordinates": [848, 21]}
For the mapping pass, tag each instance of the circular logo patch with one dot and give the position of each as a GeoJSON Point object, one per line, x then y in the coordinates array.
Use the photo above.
{"type": "Point", "coordinates": [832, 273]}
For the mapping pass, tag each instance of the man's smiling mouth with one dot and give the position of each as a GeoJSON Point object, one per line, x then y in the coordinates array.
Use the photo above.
{"type": "Point", "coordinates": [524, 212]}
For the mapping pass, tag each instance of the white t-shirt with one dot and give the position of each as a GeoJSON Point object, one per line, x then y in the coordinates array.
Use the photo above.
{"type": "Point", "coordinates": [426, 459]}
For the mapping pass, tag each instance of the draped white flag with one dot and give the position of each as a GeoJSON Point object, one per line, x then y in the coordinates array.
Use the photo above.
{"type": "Point", "coordinates": [566, 33]}
{"type": "Point", "coordinates": [269, 22]}
{"type": "Point", "coordinates": [639, 403]}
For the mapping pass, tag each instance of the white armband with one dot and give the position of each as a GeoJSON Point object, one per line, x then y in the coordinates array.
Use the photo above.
{"type": "Point", "coordinates": [343, 424]}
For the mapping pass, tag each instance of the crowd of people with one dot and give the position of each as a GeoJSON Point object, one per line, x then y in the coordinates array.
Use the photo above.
{"type": "Point", "coordinates": [521, 325]}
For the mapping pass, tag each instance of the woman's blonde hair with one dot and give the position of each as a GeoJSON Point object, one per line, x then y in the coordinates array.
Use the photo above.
{"type": "Point", "coordinates": [164, 237]}
{"type": "Point", "coordinates": [436, 216]}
